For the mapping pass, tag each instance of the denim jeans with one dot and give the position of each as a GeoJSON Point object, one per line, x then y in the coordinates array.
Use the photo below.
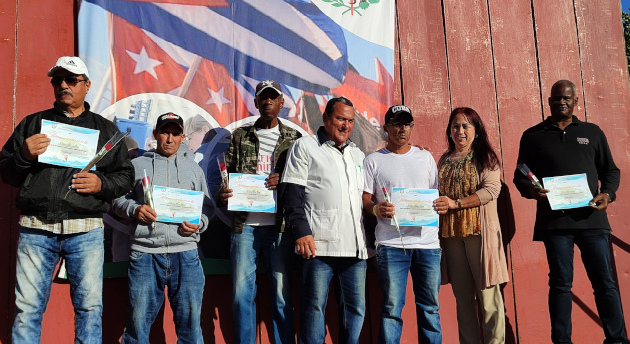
{"type": "Point", "coordinates": [595, 251]}
{"type": "Point", "coordinates": [148, 275]}
{"type": "Point", "coordinates": [38, 254]}
{"type": "Point", "coordinates": [276, 252]}
{"type": "Point", "coordinates": [394, 265]}
{"type": "Point", "coordinates": [349, 277]}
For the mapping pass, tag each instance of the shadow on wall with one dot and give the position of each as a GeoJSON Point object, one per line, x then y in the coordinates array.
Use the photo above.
{"type": "Point", "coordinates": [508, 229]}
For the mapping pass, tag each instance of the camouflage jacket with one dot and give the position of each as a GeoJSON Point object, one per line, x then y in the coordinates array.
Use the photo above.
{"type": "Point", "coordinates": [242, 157]}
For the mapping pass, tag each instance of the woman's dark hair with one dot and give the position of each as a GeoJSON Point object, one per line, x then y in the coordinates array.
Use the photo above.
{"type": "Point", "coordinates": [484, 157]}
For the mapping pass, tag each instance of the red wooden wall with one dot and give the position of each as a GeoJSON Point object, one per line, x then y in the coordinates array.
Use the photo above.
{"type": "Point", "coordinates": [499, 57]}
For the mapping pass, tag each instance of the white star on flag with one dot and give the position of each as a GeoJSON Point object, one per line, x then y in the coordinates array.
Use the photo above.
{"type": "Point", "coordinates": [144, 63]}
{"type": "Point", "coordinates": [217, 98]}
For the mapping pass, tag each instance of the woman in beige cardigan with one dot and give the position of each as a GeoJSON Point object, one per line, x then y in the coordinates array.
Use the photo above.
{"type": "Point", "coordinates": [469, 182]}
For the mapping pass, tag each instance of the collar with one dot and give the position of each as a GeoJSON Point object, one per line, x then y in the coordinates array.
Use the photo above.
{"type": "Point", "coordinates": [86, 108]}
{"type": "Point", "coordinates": [323, 139]}
{"type": "Point", "coordinates": [549, 124]}
{"type": "Point", "coordinates": [255, 125]}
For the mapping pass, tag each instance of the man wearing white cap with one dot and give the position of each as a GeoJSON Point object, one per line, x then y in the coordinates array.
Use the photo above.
{"type": "Point", "coordinates": [56, 222]}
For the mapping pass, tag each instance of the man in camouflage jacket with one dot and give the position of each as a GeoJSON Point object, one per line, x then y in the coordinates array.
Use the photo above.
{"type": "Point", "coordinates": [260, 237]}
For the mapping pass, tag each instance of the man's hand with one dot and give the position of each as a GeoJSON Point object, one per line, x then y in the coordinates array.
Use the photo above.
{"type": "Point", "coordinates": [385, 210]}
{"type": "Point", "coordinates": [188, 228]}
{"type": "Point", "coordinates": [272, 181]}
{"type": "Point", "coordinates": [538, 193]}
{"type": "Point", "coordinates": [224, 195]}
{"type": "Point", "coordinates": [86, 182]}
{"type": "Point", "coordinates": [305, 246]}
{"type": "Point", "coordinates": [145, 214]}
{"type": "Point", "coordinates": [34, 146]}
{"type": "Point", "coordinates": [599, 202]}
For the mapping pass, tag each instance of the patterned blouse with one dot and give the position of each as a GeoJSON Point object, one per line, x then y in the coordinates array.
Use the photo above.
{"type": "Point", "coordinates": [457, 180]}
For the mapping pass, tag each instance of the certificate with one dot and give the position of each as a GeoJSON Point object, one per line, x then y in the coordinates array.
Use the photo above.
{"type": "Point", "coordinates": [414, 207]}
{"type": "Point", "coordinates": [567, 192]}
{"type": "Point", "coordinates": [177, 205]}
{"type": "Point", "coordinates": [70, 146]}
{"type": "Point", "coordinates": [251, 194]}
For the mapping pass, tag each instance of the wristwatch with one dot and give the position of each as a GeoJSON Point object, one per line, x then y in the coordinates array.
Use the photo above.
{"type": "Point", "coordinates": [459, 203]}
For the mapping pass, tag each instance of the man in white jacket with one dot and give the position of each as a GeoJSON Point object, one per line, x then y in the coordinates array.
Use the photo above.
{"type": "Point", "coordinates": [324, 183]}
{"type": "Point", "coordinates": [164, 254]}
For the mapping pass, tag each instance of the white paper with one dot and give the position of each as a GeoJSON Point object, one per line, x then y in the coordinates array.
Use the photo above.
{"type": "Point", "coordinates": [177, 205]}
{"type": "Point", "coordinates": [70, 146]}
{"type": "Point", "coordinates": [567, 192]}
{"type": "Point", "coordinates": [250, 194]}
{"type": "Point", "coordinates": [414, 207]}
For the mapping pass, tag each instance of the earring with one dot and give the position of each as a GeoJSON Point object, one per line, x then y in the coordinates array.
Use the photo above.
{"type": "Point", "coordinates": [476, 136]}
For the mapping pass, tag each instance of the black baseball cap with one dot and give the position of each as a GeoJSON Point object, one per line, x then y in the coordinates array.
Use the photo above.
{"type": "Point", "coordinates": [398, 112]}
{"type": "Point", "coordinates": [167, 118]}
{"type": "Point", "coordinates": [265, 84]}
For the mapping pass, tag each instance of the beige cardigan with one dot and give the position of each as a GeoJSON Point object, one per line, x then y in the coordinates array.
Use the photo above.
{"type": "Point", "coordinates": [493, 263]}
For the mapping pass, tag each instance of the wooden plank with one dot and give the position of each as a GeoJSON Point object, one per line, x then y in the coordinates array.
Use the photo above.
{"type": "Point", "coordinates": [470, 65]}
{"type": "Point", "coordinates": [519, 107]}
{"type": "Point", "coordinates": [7, 248]}
{"type": "Point", "coordinates": [558, 52]}
{"type": "Point", "coordinates": [424, 70]}
{"type": "Point", "coordinates": [607, 104]}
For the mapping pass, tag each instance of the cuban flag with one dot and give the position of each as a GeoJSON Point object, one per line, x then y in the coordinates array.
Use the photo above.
{"type": "Point", "coordinates": [291, 42]}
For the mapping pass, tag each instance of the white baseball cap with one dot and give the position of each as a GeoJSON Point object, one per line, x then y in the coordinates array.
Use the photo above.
{"type": "Point", "coordinates": [72, 64]}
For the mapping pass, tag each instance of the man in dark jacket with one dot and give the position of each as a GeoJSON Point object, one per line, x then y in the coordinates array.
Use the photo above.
{"type": "Point", "coordinates": [562, 145]}
{"type": "Point", "coordinates": [61, 209]}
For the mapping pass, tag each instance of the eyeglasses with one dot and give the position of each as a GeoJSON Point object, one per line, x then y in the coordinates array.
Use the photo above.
{"type": "Point", "coordinates": [399, 125]}
{"type": "Point", "coordinates": [71, 80]}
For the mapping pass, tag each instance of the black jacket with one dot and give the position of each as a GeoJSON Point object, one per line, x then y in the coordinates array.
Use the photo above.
{"type": "Point", "coordinates": [580, 148]}
{"type": "Point", "coordinates": [43, 186]}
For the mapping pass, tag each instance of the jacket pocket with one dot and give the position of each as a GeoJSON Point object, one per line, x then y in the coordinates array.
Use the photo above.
{"type": "Point", "coordinates": [324, 225]}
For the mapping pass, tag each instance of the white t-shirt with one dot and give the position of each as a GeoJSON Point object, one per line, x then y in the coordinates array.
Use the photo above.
{"type": "Point", "coordinates": [268, 139]}
{"type": "Point", "coordinates": [414, 169]}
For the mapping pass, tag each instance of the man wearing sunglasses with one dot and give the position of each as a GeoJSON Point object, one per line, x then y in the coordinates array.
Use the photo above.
{"type": "Point", "coordinates": [62, 209]}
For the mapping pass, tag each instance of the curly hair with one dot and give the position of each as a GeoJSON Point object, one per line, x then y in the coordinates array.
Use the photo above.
{"type": "Point", "coordinates": [484, 158]}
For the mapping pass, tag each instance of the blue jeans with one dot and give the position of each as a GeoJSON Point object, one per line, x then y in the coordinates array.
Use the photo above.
{"type": "Point", "coordinates": [595, 250]}
{"type": "Point", "coordinates": [349, 274]}
{"type": "Point", "coordinates": [38, 254]}
{"type": "Point", "coordinates": [276, 251]}
{"type": "Point", "coordinates": [393, 268]}
{"type": "Point", "coordinates": [148, 275]}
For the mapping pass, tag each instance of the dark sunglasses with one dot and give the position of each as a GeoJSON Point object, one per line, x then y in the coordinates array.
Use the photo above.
{"type": "Point", "coordinates": [399, 125]}
{"type": "Point", "coordinates": [71, 80]}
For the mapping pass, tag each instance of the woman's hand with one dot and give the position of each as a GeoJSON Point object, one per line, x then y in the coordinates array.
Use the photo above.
{"type": "Point", "coordinates": [442, 204]}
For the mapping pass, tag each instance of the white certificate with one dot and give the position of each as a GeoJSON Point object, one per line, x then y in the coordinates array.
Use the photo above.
{"type": "Point", "coordinates": [567, 192]}
{"type": "Point", "coordinates": [70, 146]}
{"type": "Point", "coordinates": [177, 205]}
{"type": "Point", "coordinates": [414, 207]}
{"type": "Point", "coordinates": [250, 194]}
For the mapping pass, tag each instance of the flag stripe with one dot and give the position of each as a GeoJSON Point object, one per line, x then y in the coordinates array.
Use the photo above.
{"type": "Point", "coordinates": [252, 55]}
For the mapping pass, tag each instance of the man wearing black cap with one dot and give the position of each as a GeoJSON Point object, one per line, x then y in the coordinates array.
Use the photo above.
{"type": "Point", "coordinates": [261, 149]}
{"type": "Point", "coordinates": [164, 254]}
{"type": "Point", "coordinates": [55, 222]}
{"type": "Point", "coordinates": [414, 250]}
